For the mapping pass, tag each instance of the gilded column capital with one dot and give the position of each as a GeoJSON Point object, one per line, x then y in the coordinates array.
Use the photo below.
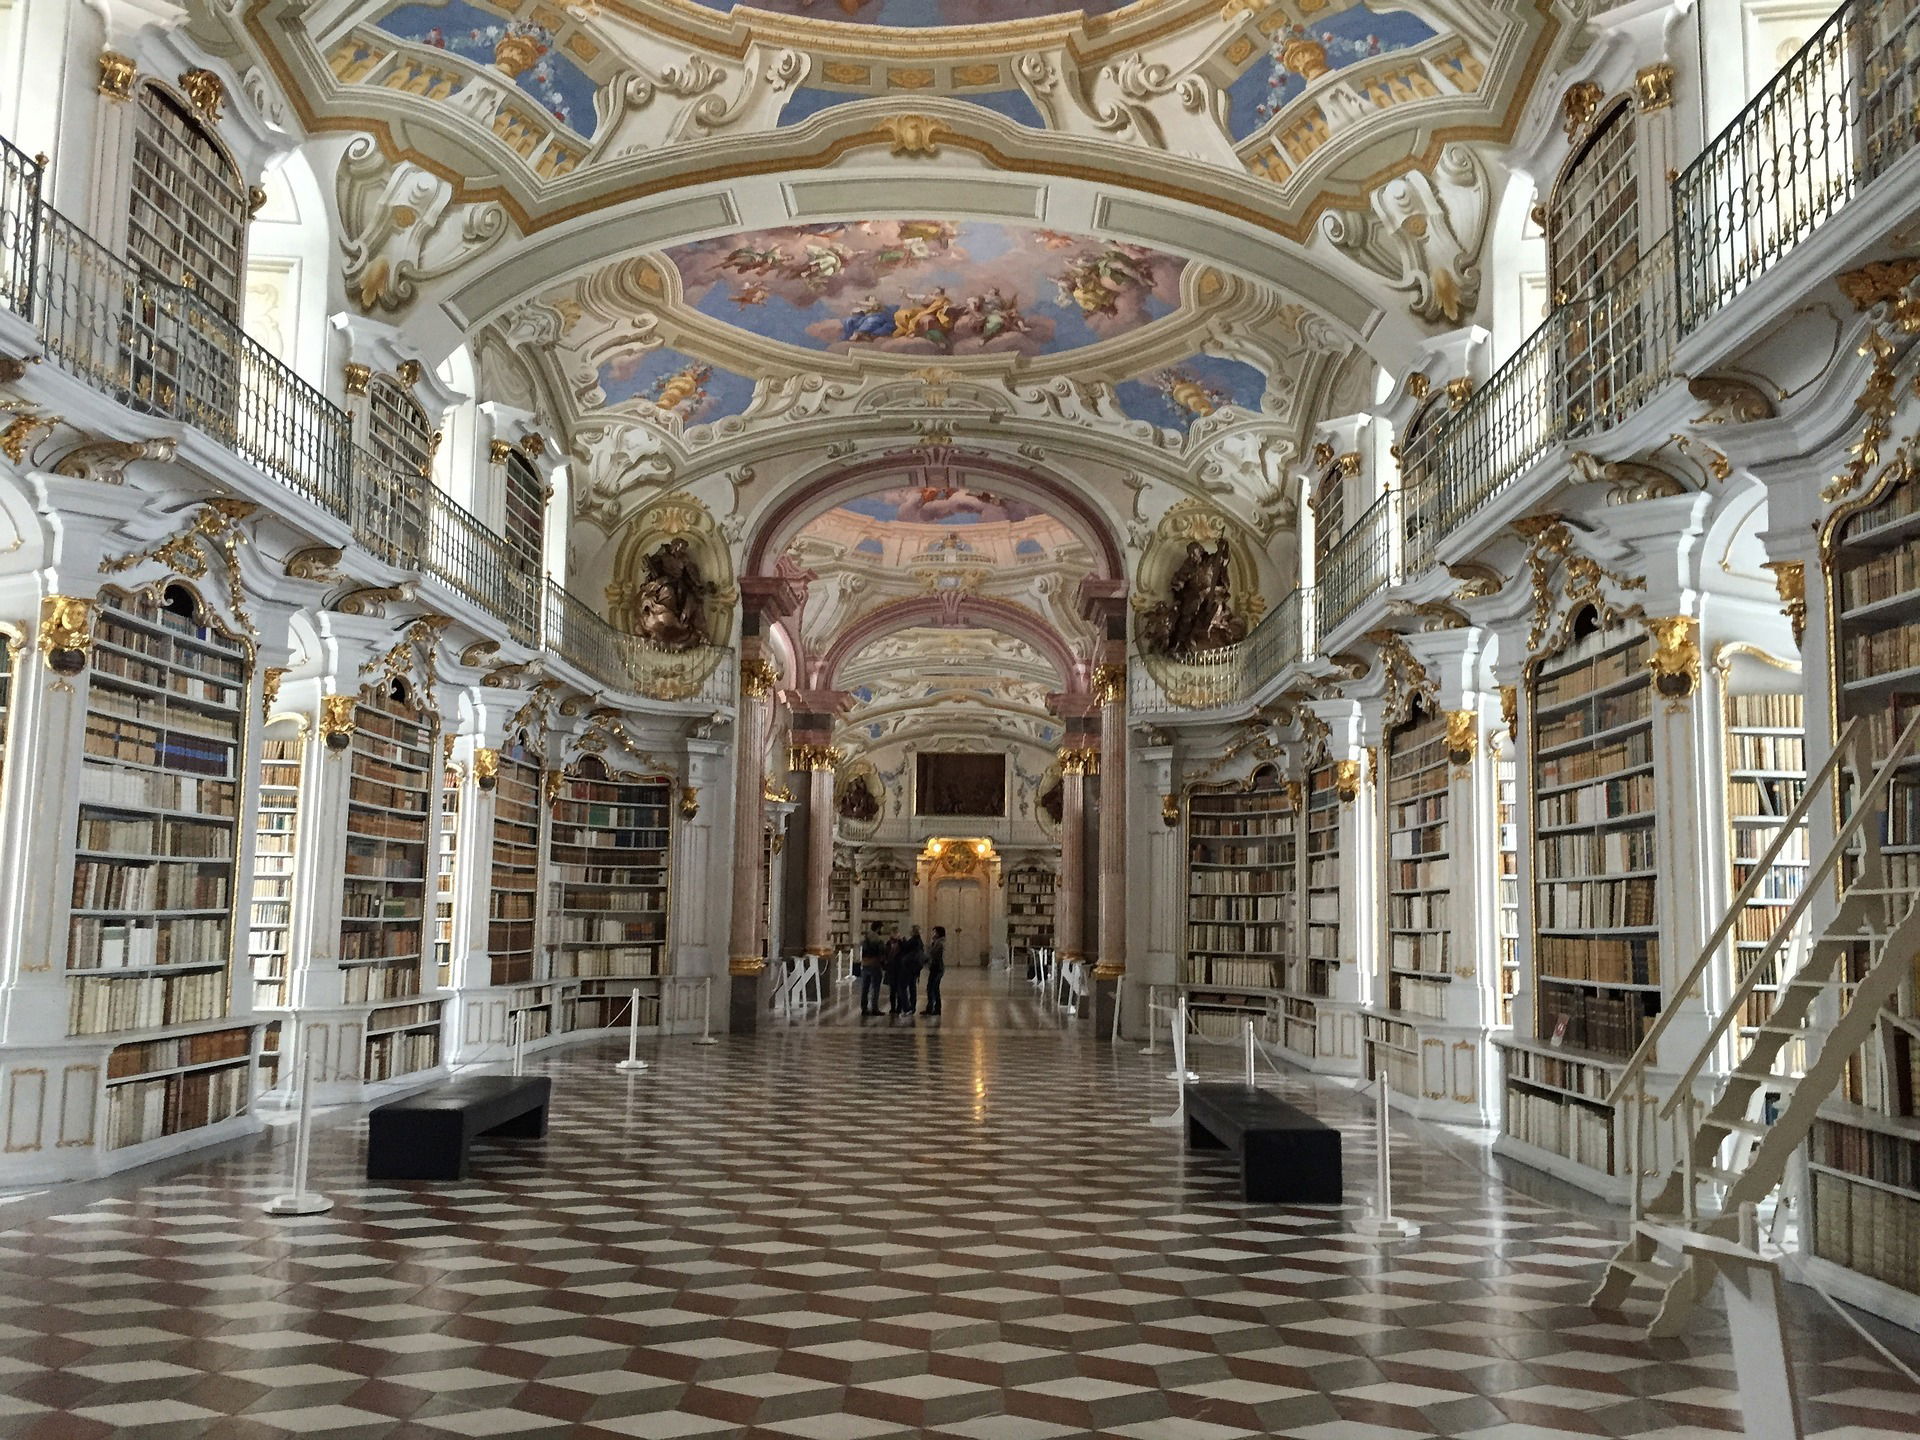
{"type": "Point", "coordinates": [486, 766]}
{"type": "Point", "coordinates": [499, 452]}
{"type": "Point", "coordinates": [356, 377]}
{"type": "Point", "coordinates": [1110, 970]}
{"type": "Point", "coordinates": [1110, 684]}
{"type": "Point", "coordinates": [757, 679]}
{"type": "Point", "coordinates": [1790, 579]}
{"type": "Point", "coordinates": [814, 757]}
{"type": "Point", "coordinates": [117, 74]}
{"type": "Point", "coordinates": [1080, 760]}
{"type": "Point", "coordinates": [1510, 709]}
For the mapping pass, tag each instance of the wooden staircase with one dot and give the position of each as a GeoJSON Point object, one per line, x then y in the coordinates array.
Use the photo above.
{"type": "Point", "coordinates": [1825, 1011]}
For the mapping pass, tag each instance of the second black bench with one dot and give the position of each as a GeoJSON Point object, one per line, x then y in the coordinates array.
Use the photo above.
{"type": "Point", "coordinates": [425, 1136]}
{"type": "Point", "coordinates": [1286, 1155]}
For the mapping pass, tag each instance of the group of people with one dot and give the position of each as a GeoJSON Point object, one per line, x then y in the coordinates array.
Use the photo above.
{"type": "Point", "coordinates": [898, 960]}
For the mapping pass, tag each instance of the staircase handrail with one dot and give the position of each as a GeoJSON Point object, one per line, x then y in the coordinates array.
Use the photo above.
{"type": "Point", "coordinates": [1863, 809]}
{"type": "Point", "coordinates": [1642, 1058]}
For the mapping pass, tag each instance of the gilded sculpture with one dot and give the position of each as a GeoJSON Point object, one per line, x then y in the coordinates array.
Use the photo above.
{"type": "Point", "coordinates": [1198, 614]}
{"type": "Point", "coordinates": [670, 605]}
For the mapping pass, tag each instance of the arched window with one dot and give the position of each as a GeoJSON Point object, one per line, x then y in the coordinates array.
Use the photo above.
{"type": "Point", "coordinates": [188, 211]}
{"type": "Point", "coordinates": [402, 450]}
{"type": "Point", "coordinates": [525, 525]}
{"type": "Point", "coordinates": [1593, 219]}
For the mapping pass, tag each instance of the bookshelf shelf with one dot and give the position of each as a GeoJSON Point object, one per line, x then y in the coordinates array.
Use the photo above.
{"type": "Point", "coordinates": [155, 894]}
{"type": "Point", "coordinates": [840, 906]}
{"type": "Point", "coordinates": [446, 872]}
{"type": "Point", "coordinates": [889, 896]}
{"type": "Point", "coordinates": [514, 880]}
{"type": "Point", "coordinates": [1029, 908]}
{"type": "Point", "coordinates": [608, 845]}
{"type": "Point", "coordinates": [1417, 959]}
{"type": "Point", "coordinates": [1242, 883]}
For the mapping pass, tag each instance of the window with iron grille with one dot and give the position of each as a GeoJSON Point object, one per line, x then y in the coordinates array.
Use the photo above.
{"type": "Point", "coordinates": [525, 527]}
{"type": "Point", "coordinates": [1329, 502]}
{"type": "Point", "coordinates": [394, 496]}
{"type": "Point", "coordinates": [187, 213]}
{"type": "Point", "coordinates": [1593, 222]}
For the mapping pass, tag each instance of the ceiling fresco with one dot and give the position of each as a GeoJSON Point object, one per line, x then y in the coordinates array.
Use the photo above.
{"type": "Point", "coordinates": [919, 14]}
{"type": "Point", "coordinates": [676, 385]}
{"type": "Point", "coordinates": [940, 505]}
{"type": "Point", "coordinates": [1180, 396]}
{"type": "Point", "coordinates": [1300, 54]}
{"type": "Point", "coordinates": [928, 287]}
{"type": "Point", "coordinates": [521, 48]}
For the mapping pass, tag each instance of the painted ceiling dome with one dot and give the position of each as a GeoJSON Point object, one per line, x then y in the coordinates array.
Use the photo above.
{"type": "Point", "coordinates": [917, 14]}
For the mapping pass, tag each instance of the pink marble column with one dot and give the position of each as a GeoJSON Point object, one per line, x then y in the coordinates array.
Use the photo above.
{"type": "Point", "coordinates": [820, 760]}
{"type": "Point", "coordinates": [744, 960]}
{"type": "Point", "coordinates": [1110, 688]}
{"type": "Point", "coordinates": [1069, 921]}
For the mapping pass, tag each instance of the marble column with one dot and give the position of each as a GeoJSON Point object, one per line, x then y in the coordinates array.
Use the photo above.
{"type": "Point", "coordinates": [1110, 689]}
{"type": "Point", "coordinates": [1069, 918]}
{"type": "Point", "coordinates": [745, 964]}
{"type": "Point", "coordinates": [820, 761]}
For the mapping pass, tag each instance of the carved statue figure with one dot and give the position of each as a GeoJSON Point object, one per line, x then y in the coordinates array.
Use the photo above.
{"type": "Point", "coordinates": [856, 801]}
{"type": "Point", "coordinates": [1198, 612]}
{"type": "Point", "coordinates": [671, 603]}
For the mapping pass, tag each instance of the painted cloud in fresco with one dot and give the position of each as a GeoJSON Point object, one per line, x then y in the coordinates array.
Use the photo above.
{"type": "Point", "coordinates": [1179, 396]}
{"type": "Point", "coordinates": [692, 391]}
{"type": "Point", "coordinates": [562, 88]}
{"type": "Point", "coordinates": [940, 505]}
{"type": "Point", "coordinates": [1300, 53]}
{"type": "Point", "coordinates": [928, 287]}
{"type": "Point", "coordinates": [919, 13]}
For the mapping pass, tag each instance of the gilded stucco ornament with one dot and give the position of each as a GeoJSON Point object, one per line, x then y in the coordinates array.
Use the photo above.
{"type": "Point", "coordinates": [105, 461]}
{"type": "Point", "coordinates": [689, 802]}
{"type": "Point", "coordinates": [117, 74]}
{"type": "Point", "coordinates": [1790, 579]}
{"type": "Point", "coordinates": [214, 531]}
{"type": "Point", "coordinates": [1579, 105]}
{"type": "Point", "coordinates": [1080, 760]}
{"type": "Point", "coordinates": [18, 437]}
{"type": "Point", "coordinates": [499, 452]}
{"type": "Point", "coordinates": [1675, 661]}
{"type": "Point", "coordinates": [1551, 551]}
{"type": "Point", "coordinates": [336, 721]}
{"type": "Point", "coordinates": [1878, 282]}
{"type": "Point", "coordinates": [814, 757]}
{"type": "Point", "coordinates": [1170, 810]}
{"type": "Point", "coordinates": [916, 135]}
{"type": "Point", "coordinates": [486, 766]}
{"type": "Point", "coordinates": [757, 679]}
{"type": "Point", "coordinates": [1878, 400]}
{"type": "Point", "coordinates": [355, 377]}
{"type": "Point", "coordinates": [270, 679]}
{"type": "Point", "coordinates": [66, 632]}
{"type": "Point", "coordinates": [1346, 780]}
{"type": "Point", "coordinates": [1729, 400]}
{"type": "Point", "coordinates": [1510, 709]}
{"type": "Point", "coordinates": [1653, 87]}
{"type": "Point", "coordinates": [205, 93]}
{"type": "Point", "coordinates": [1109, 683]}
{"type": "Point", "coordinates": [1463, 732]}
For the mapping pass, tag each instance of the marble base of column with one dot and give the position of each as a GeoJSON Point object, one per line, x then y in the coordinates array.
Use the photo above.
{"type": "Point", "coordinates": [746, 1002]}
{"type": "Point", "coordinates": [1106, 996]}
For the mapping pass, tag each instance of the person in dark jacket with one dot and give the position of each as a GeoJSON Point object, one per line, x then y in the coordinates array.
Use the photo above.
{"type": "Point", "coordinates": [895, 948]}
{"type": "Point", "coordinates": [873, 961]}
{"type": "Point", "coordinates": [936, 967]}
{"type": "Point", "coordinates": [913, 954]}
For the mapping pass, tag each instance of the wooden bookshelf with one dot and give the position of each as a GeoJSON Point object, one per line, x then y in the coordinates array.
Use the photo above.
{"type": "Point", "coordinates": [840, 906]}
{"type": "Point", "coordinates": [1029, 909]}
{"type": "Point", "coordinates": [889, 896]}
{"type": "Point", "coordinates": [1242, 875]}
{"type": "Point", "coordinates": [1596, 870]}
{"type": "Point", "coordinates": [1323, 952]}
{"type": "Point", "coordinates": [1766, 777]}
{"type": "Point", "coordinates": [391, 844]}
{"type": "Point", "coordinates": [513, 893]}
{"type": "Point", "coordinates": [275, 836]}
{"type": "Point", "coordinates": [155, 893]}
{"type": "Point", "coordinates": [1864, 1156]}
{"type": "Point", "coordinates": [1507, 892]}
{"type": "Point", "coordinates": [446, 871]}
{"type": "Point", "coordinates": [608, 848]}
{"type": "Point", "coordinates": [1417, 959]}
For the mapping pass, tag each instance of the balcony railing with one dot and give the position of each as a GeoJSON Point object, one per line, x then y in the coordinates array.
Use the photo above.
{"type": "Point", "coordinates": [1836, 116]}
{"type": "Point", "coordinates": [1360, 565]}
{"type": "Point", "coordinates": [1213, 679]}
{"type": "Point", "coordinates": [163, 350]}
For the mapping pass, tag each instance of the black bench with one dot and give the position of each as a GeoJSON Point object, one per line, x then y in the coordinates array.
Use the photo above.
{"type": "Point", "coordinates": [1286, 1155]}
{"type": "Point", "coordinates": [424, 1136]}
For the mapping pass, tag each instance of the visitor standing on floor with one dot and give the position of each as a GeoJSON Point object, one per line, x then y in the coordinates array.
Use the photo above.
{"type": "Point", "coordinates": [913, 954]}
{"type": "Point", "coordinates": [936, 967]}
{"type": "Point", "coordinates": [873, 961]}
{"type": "Point", "coordinates": [895, 949]}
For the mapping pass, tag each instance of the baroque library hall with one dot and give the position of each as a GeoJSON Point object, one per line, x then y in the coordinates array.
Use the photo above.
{"type": "Point", "coordinates": [977, 719]}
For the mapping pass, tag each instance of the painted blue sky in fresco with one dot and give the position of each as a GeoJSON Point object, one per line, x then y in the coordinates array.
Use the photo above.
{"type": "Point", "coordinates": [940, 505]}
{"type": "Point", "coordinates": [560, 86]}
{"type": "Point", "coordinates": [1178, 396]}
{"type": "Point", "coordinates": [697, 391]}
{"type": "Point", "coordinates": [919, 13]}
{"type": "Point", "coordinates": [1351, 36]}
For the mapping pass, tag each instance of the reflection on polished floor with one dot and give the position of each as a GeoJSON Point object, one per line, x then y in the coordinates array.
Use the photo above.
{"type": "Point", "coordinates": [847, 1230]}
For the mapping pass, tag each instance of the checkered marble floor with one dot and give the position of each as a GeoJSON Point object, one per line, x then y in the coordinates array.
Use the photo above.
{"type": "Point", "coordinates": [855, 1230]}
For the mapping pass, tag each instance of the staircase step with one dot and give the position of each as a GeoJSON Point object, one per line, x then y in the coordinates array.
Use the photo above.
{"type": "Point", "coordinates": [1657, 1271]}
{"type": "Point", "coordinates": [1718, 1174]}
{"type": "Point", "coordinates": [1792, 1031]}
{"type": "Point", "coordinates": [1742, 1126]}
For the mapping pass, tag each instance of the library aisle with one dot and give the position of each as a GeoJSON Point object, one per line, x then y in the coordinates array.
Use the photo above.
{"type": "Point", "coordinates": [973, 1232]}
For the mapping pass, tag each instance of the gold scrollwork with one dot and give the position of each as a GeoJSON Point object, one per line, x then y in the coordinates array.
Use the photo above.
{"type": "Point", "coordinates": [66, 632]}
{"type": "Point", "coordinates": [117, 72]}
{"type": "Point", "coordinates": [356, 377]}
{"type": "Point", "coordinates": [914, 134]}
{"type": "Point", "coordinates": [1510, 709]}
{"type": "Point", "coordinates": [1346, 780]}
{"type": "Point", "coordinates": [270, 679]}
{"type": "Point", "coordinates": [205, 92]}
{"type": "Point", "coordinates": [1790, 579]}
{"type": "Point", "coordinates": [1170, 810]}
{"type": "Point", "coordinates": [336, 720]}
{"type": "Point", "coordinates": [21, 432]}
{"type": "Point", "coordinates": [498, 452]}
{"type": "Point", "coordinates": [215, 527]}
{"type": "Point", "coordinates": [554, 782]}
{"type": "Point", "coordinates": [1653, 87]}
{"type": "Point", "coordinates": [486, 765]}
{"type": "Point", "coordinates": [689, 802]}
{"type": "Point", "coordinates": [1579, 105]}
{"type": "Point", "coordinates": [1675, 661]}
{"type": "Point", "coordinates": [1549, 540]}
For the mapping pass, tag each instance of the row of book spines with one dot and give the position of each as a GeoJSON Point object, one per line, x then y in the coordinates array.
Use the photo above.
{"type": "Point", "coordinates": [1767, 752]}
{"type": "Point", "coordinates": [130, 616]}
{"type": "Point", "coordinates": [105, 885]}
{"type": "Point", "coordinates": [400, 1017]}
{"type": "Point", "coordinates": [1589, 1080]}
{"type": "Point", "coordinates": [94, 943]}
{"type": "Point", "coordinates": [1583, 676]}
{"type": "Point", "coordinates": [387, 796]}
{"type": "Point", "coordinates": [1417, 912]}
{"type": "Point", "coordinates": [601, 792]}
{"type": "Point", "coordinates": [1602, 800]}
{"type": "Point", "coordinates": [1603, 854]}
{"type": "Point", "coordinates": [1207, 852]}
{"type": "Point", "coordinates": [1239, 909]}
{"type": "Point", "coordinates": [138, 745]}
{"type": "Point", "coordinates": [1427, 998]}
{"type": "Point", "coordinates": [1579, 1133]}
{"type": "Point", "coordinates": [1898, 503]}
{"type": "Point", "coordinates": [641, 844]}
{"type": "Point", "coordinates": [101, 1005]}
{"type": "Point", "coordinates": [1880, 576]}
{"type": "Point", "coordinates": [1259, 802]}
{"type": "Point", "coordinates": [1256, 938]}
{"type": "Point", "coordinates": [1239, 882]}
{"type": "Point", "coordinates": [366, 824]}
{"type": "Point", "coordinates": [1610, 1022]}
{"type": "Point", "coordinates": [1608, 712]}
{"type": "Point", "coordinates": [1630, 753]}
{"type": "Point", "coordinates": [1596, 904]}
{"type": "Point", "coordinates": [388, 941]}
{"type": "Point", "coordinates": [612, 817]}
{"type": "Point", "coordinates": [1429, 810]}
{"type": "Point", "coordinates": [1871, 1154]}
{"type": "Point", "coordinates": [1215, 970]}
{"type": "Point", "coordinates": [163, 664]}
{"type": "Point", "coordinates": [123, 789]}
{"type": "Point", "coordinates": [112, 710]}
{"type": "Point", "coordinates": [624, 964]}
{"type": "Point", "coordinates": [1213, 826]}
{"type": "Point", "coordinates": [388, 1056]}
{"type": "Point", "coordinates": [387, 719]}
{"type": "Point", "coordinates": [400, 867]}
{"type": "Point", "coordinates": [370, 984]}
{"type": "Point", "coordinates": [1418, 952]}
{"type": "Point", "coordinates": [1873, 1231]}
{"type": "Point", "coordinates": [1881, 652]}
{"type": "Point", "coordinates": [142, 1110]}
{"type": "Point", "coordinates": [204, 1049]}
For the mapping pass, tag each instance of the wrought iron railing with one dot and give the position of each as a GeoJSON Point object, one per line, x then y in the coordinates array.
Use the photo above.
{"type": "Point", "coordinates": [1590, 365]}
{"type": "Point", "coordinates": [1212, 679]}
{"type": "Point", "coordinates": [1276, 642]}
{"type": "Point", "coordinates": [1835, 117]}
{"type": "Point", "coordinates": [20, 181]}
{"type": "Point", "coordinates": [479, 564]}
{"type": "Point", "coordinates": [1360, 564]}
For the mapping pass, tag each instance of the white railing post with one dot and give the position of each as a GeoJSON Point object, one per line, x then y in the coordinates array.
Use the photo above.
{"type": "Point", "coordinates": [300, 1200]}
{"type": "Point", "coordinates": [633, 1060]}
{"type": "Point", "coordinates": [1177, 1017]}
{"type": "Point", "coordinates": [518, 1040]}
{"type": "Point", "coordinates": [1247, 1034]}
{"type": "Point", "coordinates": [1383, 1224]}
{"type": "Point", "coordinates": [706, 1012]}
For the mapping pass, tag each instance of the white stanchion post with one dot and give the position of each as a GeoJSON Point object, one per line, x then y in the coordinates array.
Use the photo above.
{"type": "Point", "coordinates": [1249, 1048]}
{"type": "Point", "coordinates": [519, 1040]}
{"type": "Point", "coordinates": [633, 1060]}
{"type": "Point", "coordinates": [1177, 1017]}
{"type": "Point", "coordinates": [1384, 1224]}
{"type": "Point", "coordinates": [706, 1013]}
{"type": "Point", "coordinates": [1152, 1031]}
{"type": "Point", "coordinates": [300, 1200]}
